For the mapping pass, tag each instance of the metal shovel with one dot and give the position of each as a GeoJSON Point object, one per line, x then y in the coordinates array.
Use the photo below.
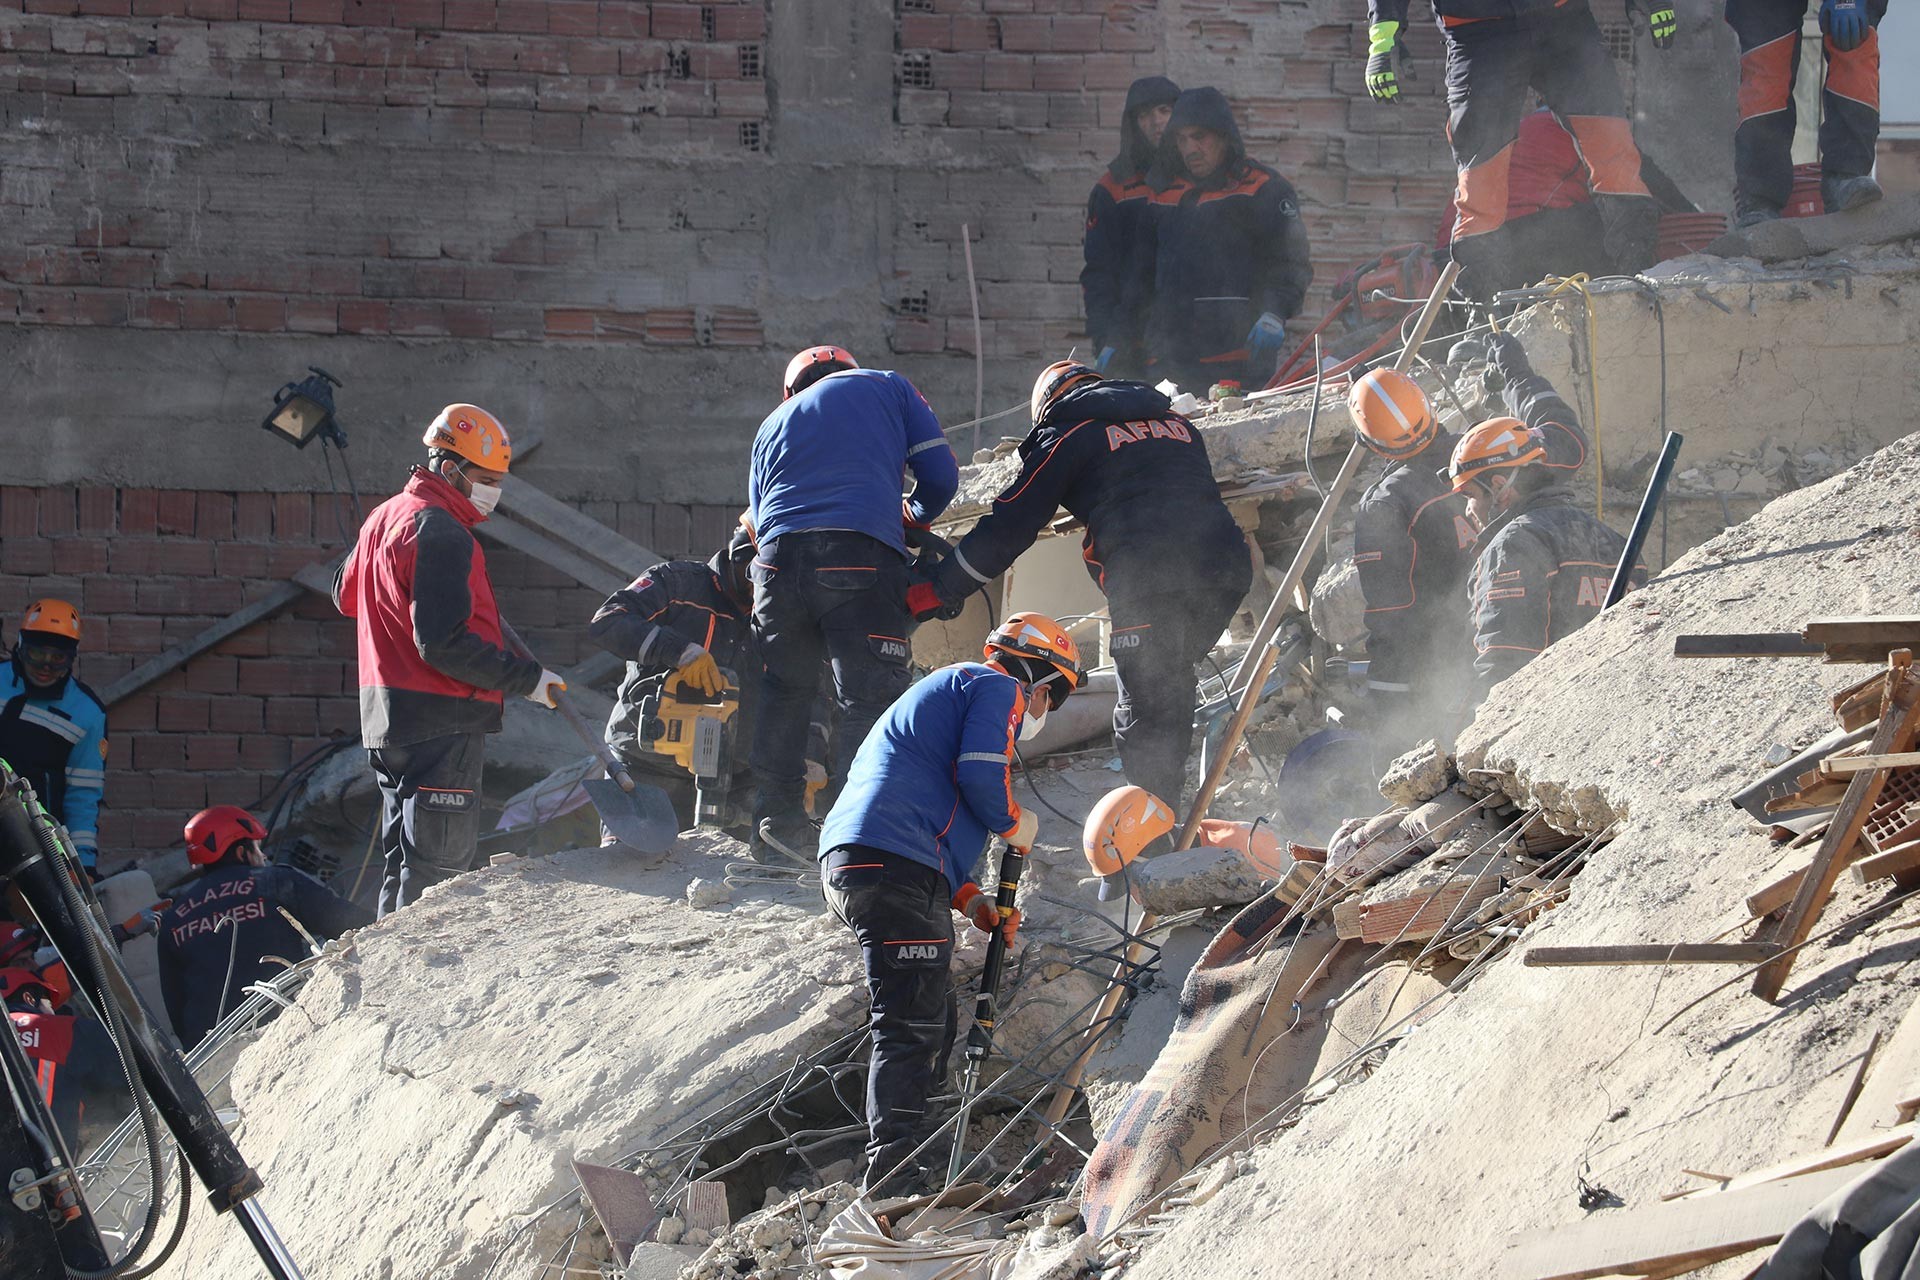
{"type": "Point", "coordinates": [640, 817]}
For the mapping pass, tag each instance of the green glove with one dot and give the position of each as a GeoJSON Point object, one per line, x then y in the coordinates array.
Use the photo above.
{"type": "Point", "coordinates": [1381, 81]}
{"type": "Point", "coordinates": [1663, 23]}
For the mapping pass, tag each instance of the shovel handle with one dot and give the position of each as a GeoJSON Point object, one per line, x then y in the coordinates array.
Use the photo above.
{"type": "Point", "coordinates": [571, 714]}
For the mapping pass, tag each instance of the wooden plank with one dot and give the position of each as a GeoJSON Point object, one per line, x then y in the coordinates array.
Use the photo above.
{"type": "Point", "coordinates": [1851, 1153]}
{"type": "Point", "coordinates": [1771, 897]}
{"type": "Point", "coordinates": [1898, 860]}
{"type": "Point", "coordinates": [1852, 1094]}
{"type": "Point", "coordinates": [1883, 633]}
{"type": "Point", "coordinates": [1658, 1237]}
{"type": "Point", "coordinates": [582, 569]}
{"type": "Point", "coordinates": [1855, 764]}
{"type": "Point", "coordinates": [547, 514]}
{"type": "Point", "coordinates": [1895, 1077]}
{"type": "Point", "coordinates": [1763, 644]}
{"type": "Point", "coordinates": [1895, 733]}
{"type": "Point", "coordinates": [1650, 953]}
{"type": "Point", "coordinates": [1858, 705]}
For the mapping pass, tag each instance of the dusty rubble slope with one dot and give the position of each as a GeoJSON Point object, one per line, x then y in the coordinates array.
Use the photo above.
{"type": "Point", "coordinates": [1478, 1124]}
{"type": "Point", "coordinates": [374, 1110]}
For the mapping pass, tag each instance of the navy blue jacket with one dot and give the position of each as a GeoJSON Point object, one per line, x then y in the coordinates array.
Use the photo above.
{"type": "Point", "coordinates": [1225, 249]}
{"type": "Point", "coordinates": [835, 456]}
{"type": "Point", "coordinates": [1117, 457]}
{"type": "Point", "coordinates": [1117, 281]}
{"type": "Point", "coordinates": [56, 738]}
{"type": "Point", "coordinates": [651, 621]}
{"type": "Point", "coordinates": [934, 778]}
{"type": "Point", "coordinates": [226, 923]}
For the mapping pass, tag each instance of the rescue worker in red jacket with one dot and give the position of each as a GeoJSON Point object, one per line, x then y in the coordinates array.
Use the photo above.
{"type": "Point", "coordinates": [1498, 51]}
{"type": "Point", "coordinates": [1117, 281]}
{"type": "Point", "coordinates": [1414, 542]}
{"type": "Point", "coordinates": [1769, 35]}
{"type": "Point", "coordinates": [1230, 253]}
{"type": "Point", "coordinates": [433, 669]}
{"type": "Point", "coordinates": [1160, 543]}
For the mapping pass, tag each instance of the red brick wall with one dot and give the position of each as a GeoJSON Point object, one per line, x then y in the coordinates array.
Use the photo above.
{"type": "Point", "coordinates": [149, 568]}
{"type": "Point", "coordinates": [105, 230]}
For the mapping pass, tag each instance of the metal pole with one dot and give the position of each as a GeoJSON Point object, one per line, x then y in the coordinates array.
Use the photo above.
{"type": "Point", "coordinates": [979, 353]}
{"type": "Point", "coordinates": [1643, 522]}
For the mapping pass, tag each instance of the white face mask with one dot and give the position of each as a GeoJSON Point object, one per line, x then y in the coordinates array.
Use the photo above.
{"type": "Point", "coordinates": [485, 497]}
{"type": "Point", "coordinates": [1034, 721]}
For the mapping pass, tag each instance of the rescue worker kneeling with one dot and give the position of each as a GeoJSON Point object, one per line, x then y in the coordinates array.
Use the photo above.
{"type": "Point", "coordinates": [904, 842]}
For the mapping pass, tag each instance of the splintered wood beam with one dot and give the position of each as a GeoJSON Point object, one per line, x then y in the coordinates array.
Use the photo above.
{"type": "Point", "coordinates": [1898, 860]}
{"type": "Point", "coordinates": [1856, 764]}
{"type": "Point", "coordinates": [1763, 644]}
{"type": "Point", "coordinates": [1653, 953]}
{"type": "Point", "coordinates": [1885, 634]}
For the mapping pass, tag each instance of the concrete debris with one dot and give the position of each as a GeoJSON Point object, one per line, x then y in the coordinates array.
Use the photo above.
{"type": "Point", "coordinates": [1195, 878]}
{"type": "Point", "coordinates": [703, 894]}
{"type": "Point", "coordinates": [1788, 239]}
{"type": "Point", "coordinates": [1338, 609]}
{"type": "Point", "coordinates": [656, 1261]}
{"type": "Point", "coordinates": [1418, 776]}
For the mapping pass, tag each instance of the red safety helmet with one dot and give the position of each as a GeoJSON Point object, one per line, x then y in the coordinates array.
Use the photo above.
{"type": "Point", "coordinates": [212, 832]}
{"type": "Point", "coordinates": [813, 364]}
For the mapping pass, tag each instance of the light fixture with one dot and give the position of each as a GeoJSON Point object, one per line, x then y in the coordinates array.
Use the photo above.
{"type": "Point", "coordinates": [303, 411]}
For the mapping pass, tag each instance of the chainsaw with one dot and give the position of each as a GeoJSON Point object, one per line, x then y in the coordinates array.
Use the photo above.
{"type": "Point", "coordinates": [696, 732]}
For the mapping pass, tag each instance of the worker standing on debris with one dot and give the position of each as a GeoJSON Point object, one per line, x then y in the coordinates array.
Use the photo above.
{"type": "Point", "coordinates": [1542, 564]}
{"type": "Point", "coordinates": [1117, 281]}
{"type": "Point", "coordinates": [1159, 542]}
{"type": "Point", "coordinates": [1498, 50]}
{"type": "Point", "coordinates": [830, 579]}
{"type": "Point", "coordinates": [1231, 260]}
{"type": "Point", "coordinates": [433, 672]}
{"type": "Point", "coordinates": [1769, 35]}
{"type": "Point", "coordinates": [216, 937]}
{"type": "Point", "coordinates": [53, 728]}
{"type": "Point", "coordinates": [680, 618]}
{"type": "Point", "coordinates": [904, 843]}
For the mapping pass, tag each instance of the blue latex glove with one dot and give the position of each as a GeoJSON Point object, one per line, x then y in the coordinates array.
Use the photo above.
{"type": "Point", "coordinates": [1845, 22]}
{"type": "Point", "coordinates": [1106, 358]}
{"type": "Point", "coordinates": [1264, 341]}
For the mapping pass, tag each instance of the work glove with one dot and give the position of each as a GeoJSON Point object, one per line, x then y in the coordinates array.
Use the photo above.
{"type": "Point", "coordinates": [697, 668]}
{"type": "Point", "coordinates": [924, 601]}
{"type": "Point", "coordinates": [1382, 83]}
{"type": "Point", "coordinates": [550, 684]}
{"type": "Point", "coordinates": [986, 914]}
{"type": "Point", "coordinates": [907, 519]}
{"type": "Point", "coordinates": [1508, 354]}
{"type": "Point", "coordinates": [1025, 830]}
{"type": "Point", "coordinates": [140, 922]}
{"type": "Point", "coordinates": [1264, 341]}
{"type": "Point", "coordinates": [1845, 23]}
{"type": "Point", "coordinates": [1662, 22]}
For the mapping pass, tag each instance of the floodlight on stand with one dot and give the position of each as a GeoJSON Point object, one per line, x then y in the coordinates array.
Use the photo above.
{"type": "Point", "coordinates": [303, 411]}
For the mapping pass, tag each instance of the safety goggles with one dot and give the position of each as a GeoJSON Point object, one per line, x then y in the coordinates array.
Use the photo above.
{"type": "Point", "coordinates": [44, 659]}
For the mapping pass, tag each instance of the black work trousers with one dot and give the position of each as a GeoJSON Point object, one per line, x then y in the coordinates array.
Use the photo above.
{"type": "Point", "coordinates": [899, 910]}
{"type": "Point", "coordinates": [429, 812]}
{"type": "Point", "coordinates": [1490, 67]}
{"type": "Point", "coordinates": [823, 594]}
{"type": "Point", "coordinates": [1157, 642]}
{"type": "Point", "coordinates": [1769, 35]}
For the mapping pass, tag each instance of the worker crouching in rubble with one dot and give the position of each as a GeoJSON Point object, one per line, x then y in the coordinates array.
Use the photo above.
{"type": "Point", "coordinates": [218, 935]}
{"type": "Point", "coordinates": [903, 843]}
{"type": "Point", "coordinates": [1542, 564]}
{"type": "Point", "coordinates": [683, 621]}
{"type": "Point", "coordinates": [1160, 543]}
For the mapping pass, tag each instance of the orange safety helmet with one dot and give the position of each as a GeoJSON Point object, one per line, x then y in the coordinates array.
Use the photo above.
{"type": "Point", "coordinates": [1391, 414]}
{"type": "Point", "coordinates": [1055, 381]}
{"type": "Point", "coordinates": [53, 618]}
{"type": "Point", "coordinates": [1036, 636]}
{"type": "Point", "coordinates": [473, 434]}
{"type": "Point", "coordinates": [1124, 822]}
{"type": "Point", "coordinates": [813, 364]}
{"type": "Point", "coordinates": [1494, 444]}
{"type": "Point", "coordinates": [212, 832]}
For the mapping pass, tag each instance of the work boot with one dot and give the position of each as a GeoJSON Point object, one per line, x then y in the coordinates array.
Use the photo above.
{"type": "Point", "coordinates": [1751, 213]}
{"type": "Point", "coordinates": [1843, 194]}
{"type": "Point", "coordinates": [786, 839]}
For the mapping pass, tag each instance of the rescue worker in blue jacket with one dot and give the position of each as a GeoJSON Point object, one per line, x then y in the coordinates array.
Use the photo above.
{"type": "Point", "coordinates": [1231, 260]}
{"type": "Point", "coordinates": [830, 579]}
{"type": "Point", "coordinates": [217, 934]}
{"type": "Point", "coordinates": [1160, 543]}
{"type": "Point", "coordinates": [687, 619]}
{"type": "Point", "coordinates": [53, 728]}
{"type": "Point", "coordinates": [1117, 281]}
{"type": "Point", "coordinates": [1413, 541]}
{"type": "Point", "coordinates": [903, 844]}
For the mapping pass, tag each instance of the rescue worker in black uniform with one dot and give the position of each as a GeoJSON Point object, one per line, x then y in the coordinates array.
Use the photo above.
{"type": "Point", "coordinates": [217, 935]}
{"type": "Point", "coordinates": [1160, 543]}
{"type": "Point", "coordinates": [1497, 51]}
{"type": "Point", "coordinates": [1413, 541]}
{"type": "Point", "coordinates": [1542, 563]}
{"type": "Point", "coordinates": [1769, 35]}
{"type": "Point", "coordinates": [1117, 281]}
{"type": "Point", "coordinates": [1230, 253]}
{"type": "Point", "coordinates": [688, 619]}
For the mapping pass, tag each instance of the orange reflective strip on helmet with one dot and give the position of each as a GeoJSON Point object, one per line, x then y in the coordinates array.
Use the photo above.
{"type": "Point", "coordinates": [52, 617]}
{"type": "Point", "coordinates": [1481, 196]}
{"type": "Point", "coordinates": [1855, 73]}
{"type": "Point", "coordinates": [1605, 143]}
{"type": "Point", "coordinates": [1766, 76]}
